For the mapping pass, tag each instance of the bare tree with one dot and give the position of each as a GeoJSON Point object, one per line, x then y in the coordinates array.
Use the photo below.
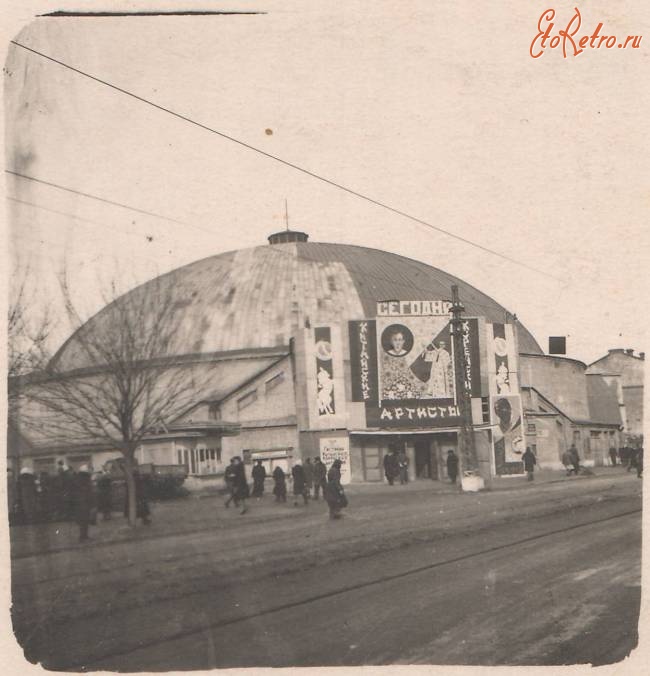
{"type": "Point", "coordinates": [28, 330]}
{"type": "Point", "coordinates": [130, 381]}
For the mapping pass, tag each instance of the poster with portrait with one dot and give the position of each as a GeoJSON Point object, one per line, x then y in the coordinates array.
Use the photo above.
{"type": "Point", "coordinates": [324, 371]}
{"type": "Point", "coordinates": [507, 433]}
{"type": "Point", "coordinates": [502, 359]}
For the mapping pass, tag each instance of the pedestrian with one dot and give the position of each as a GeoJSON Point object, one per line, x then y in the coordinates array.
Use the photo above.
{"type": "Point", "coordinates": [529, 461]}
{"type": "Point", "coordinates": [452, 466]}
{"type": "Point", "coordinates": [403, 464]}
{"type": "Point", "coordinates": [639, 462]}
{"type": "Point", "coordinates": [240, 485]}
{"type": "Point", "coordinates": [259, 475]}
{"type": "Point", "coordinates": [391, 467]}
{"type": "Point", "coordinates": [612, 455]}
{"type": "Point", "coordinates": [309, 475]}
{"type": "Point", "coordinates": [105, 494]}
{"type": "Point", "coordinates": [334, 493]}
{"type": "Point", "coordinates": [299, 485]}
{"type": "Point", "coordinates": [320, 477]}
{"type": "Point", "coordinates": [623, 456]}
{"type": "Point", "coordinates": [83, 500]}
{"type": "Point", "coordinates": [567, 461]}
{"type": "Point", "coordinates": [575, 459]}
{"type": "Point", "coordinates": [229, 478]}
{"type": "Point", "coordinates": [66, 486]}
{"type": "Point", "coordinates": [27, 498]}
{"type": "Point", "coordinates": [279, 484]}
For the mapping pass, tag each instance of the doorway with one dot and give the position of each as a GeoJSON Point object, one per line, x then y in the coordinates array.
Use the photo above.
{"type": "Point", "coordinates": [425, 465]}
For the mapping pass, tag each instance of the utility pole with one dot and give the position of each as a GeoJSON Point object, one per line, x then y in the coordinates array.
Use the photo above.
{"type": "Point", "coordinates": [466, 451]}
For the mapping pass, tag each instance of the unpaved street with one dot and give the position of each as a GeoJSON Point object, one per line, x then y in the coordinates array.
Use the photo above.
{"type": "Point", "coordinates": [544, 574]}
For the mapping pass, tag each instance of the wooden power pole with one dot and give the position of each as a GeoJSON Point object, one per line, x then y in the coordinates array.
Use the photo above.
{"type": "Point", "coordinates": [466, 452]}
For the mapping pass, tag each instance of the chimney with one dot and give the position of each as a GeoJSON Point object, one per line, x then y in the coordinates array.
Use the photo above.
{"type": "Point", "coordinates": [287, 236]}
{"type": "Point", "coordinates": [629, 351]}
{"type": "Point", "coordinates": [641, 355]}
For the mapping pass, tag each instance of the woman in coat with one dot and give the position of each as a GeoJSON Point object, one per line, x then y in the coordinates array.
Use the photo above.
{"type": "Point", "coordinates": [279, 485]}
{"type": "Point", "coordinates": [299, 484]}
{"type": "Point", "coordinates": [259, 475]}
{"type": "Point", "coordinates": [334, 494]}
{"type": "Point", "coordinates": [240, 485]}
{"type": "Point", "coordinates": [529, 462]}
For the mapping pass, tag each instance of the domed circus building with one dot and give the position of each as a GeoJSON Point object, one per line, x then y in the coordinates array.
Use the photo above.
{"type": "Point", "coordinates": [332, 350]}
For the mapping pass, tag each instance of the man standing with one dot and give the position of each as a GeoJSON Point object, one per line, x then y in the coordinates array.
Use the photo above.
{"type": "Point", "coordinates": [299, 487]}
{"type": "Point", "coordinates": [391, 467]}
{"type": "Point", "coordinates": [452, 466]}
{"type": "Point", "coordinates": [259, 476]}
{"type": "Point", "coordinates": [334, 493]}
{"type": "Point", "coordinates": [240, 484]}
{"type": "Point", "coordinates": [320, 477]}
{"type": "Point", "coordinates": [229, 478]}
{"type": "Point", "coordinates": [529, 461]}
{"type": "Point", "coordinates": [575, 459]}
{"type": "Point", "coordinates": [309, 475]}
{"type": "Point", "coordinates": [403, 463]}
{"type": "Point", "coordinates": [280, 485]}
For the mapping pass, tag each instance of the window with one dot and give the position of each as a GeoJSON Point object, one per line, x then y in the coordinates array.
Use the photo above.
{"type": "Point", "coordinates": [247, 400]}
{"type": "Point", "coordinates": [485, 409]}
{"type": "Point", "coordinates": [531, 428]}
{"type": "Point", "coordinates": [272, 383]}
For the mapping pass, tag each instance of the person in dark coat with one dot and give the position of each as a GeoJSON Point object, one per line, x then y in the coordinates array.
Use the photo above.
{"type": "Point", "coordinates": [27, 497]}
{"type": "Point", "coordinates": [279, 485]}
{"type": "Point", "coordinates": [391, 467]}
{"type": "Point", "coordinates": [105, 495]}
{"type": "Point", "coordinates": [633, 454]}
{"type": "Point", "coordinates": [299, 485]}
{"type": "Point", "coordinates": [309, 475]}
{"type": "Point", "coordinates": [612, 455]}
{"type": "Point", "coordinates": [83, 500]}
{"type": "Point", "coordinates": [229, 478]}
{"type": "Point", "coordinates": [240, 485]}
{"type": "Point", "coordinates": [259, 476]}
{"type": "Point", "coordinates": [320, 477]}
{"type": "Point", "coordinates": [452, 466]}
{"type": "Point", "coordinates": [334, 493]}
{"type": "Point", "coordinates": [575, 459]}
{"type": "Point", "coordinates": [529, 461]}
{"type": "Point", "coordinates": [403, 463]}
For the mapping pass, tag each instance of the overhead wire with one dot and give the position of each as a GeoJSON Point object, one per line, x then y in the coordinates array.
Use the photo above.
{"type": "Point", "coordinates": [287, 163]}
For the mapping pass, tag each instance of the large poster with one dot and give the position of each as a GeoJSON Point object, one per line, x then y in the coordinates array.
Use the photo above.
{"type": "Point", "coordinates": [502, 359]}
{"type": "Point", "coordinates": [407, 378]}
{"type": "Point", "coordinates": [508, 433]}
{"type": "Point", "coordinates": [324, 371]}
{"type": "Point", "coordinates": [337, 448]}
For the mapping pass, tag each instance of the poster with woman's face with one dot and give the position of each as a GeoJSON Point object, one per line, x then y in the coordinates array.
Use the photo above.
{"type": "Point", "coordinates": [415, 358]}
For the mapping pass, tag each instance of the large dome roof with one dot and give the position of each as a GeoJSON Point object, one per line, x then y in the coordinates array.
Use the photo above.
{"type": "Point", "coordinates": [258, 297]}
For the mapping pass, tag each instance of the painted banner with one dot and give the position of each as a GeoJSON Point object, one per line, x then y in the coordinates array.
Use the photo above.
{"type": "Point", "coordinates": [337, 448]}
{"type": "Point", "coordinates": [472, 354]}
{"type": "Point", "coordinates": [324, 371]}
{"type": "Point", "coordinates": [502, 360]}
{"type": "Point", "coordinates": [363, 361]}
{"type": "Point", "coordinates": [507, 433]}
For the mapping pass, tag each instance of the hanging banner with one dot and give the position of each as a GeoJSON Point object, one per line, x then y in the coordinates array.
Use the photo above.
{"type": "Point", "coordinates": [472, 354]}
{"type": "Point", "coordinates": [324, 371]}
{"type": "Point", "coordinates": [502, 360]}
{"type": "Point", "coordinates": [337, 448]}
{"type": "Point", "coordinates": [507, 433]}
{"type": "Point", "coordinates": [363, 360]}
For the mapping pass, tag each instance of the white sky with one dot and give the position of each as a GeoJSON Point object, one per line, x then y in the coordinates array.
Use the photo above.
{"type": "Point", "coordinates": [434, 108]}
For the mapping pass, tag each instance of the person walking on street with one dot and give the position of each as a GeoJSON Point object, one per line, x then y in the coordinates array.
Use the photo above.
{"type": "Point", "coordinates": [529, 461]}
{"type": "Point", "coordinates": [612, 455]}
{"type": "Point", "coordinates": [575, 459]}
{"type": "Point", "coordinates": [259, 476]}
{"type": "Point", "coordinates": [320, 477]}
{"type": "Point", "coordinates": [240, 485]}
{"type": "Point", "coordinates": [279, 485]}
{"type": "Point", "coordinates": [83, 500]}
{"type": "Point", "coordinates": [452, 466]}
{"type": "Point", "coordinates": [391, 467]}
{"type": "Point", "coordinates": [334, 493]}
{"type": "Point", "coordinates": [567, 461]}
{"type": "Point", "coordinates": [299, 485]}
{"type": "Point", "coordinates": [403, 463]}
{"type": "Point", "coordinates": [105, 494]}
{"type": "Point", "coordinates": [229, 478]}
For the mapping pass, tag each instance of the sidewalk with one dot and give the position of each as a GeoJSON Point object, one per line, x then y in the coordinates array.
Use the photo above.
{"type": "Point", "coordinates": [206, 512]}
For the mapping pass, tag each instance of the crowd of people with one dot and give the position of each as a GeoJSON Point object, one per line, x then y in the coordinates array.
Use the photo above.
{"type": "Point", "coordinates": [309, 480]}
{"type": "Point", "coordinates": [70, 495]}
{"type": "Point", "coordinates": [396, 466]}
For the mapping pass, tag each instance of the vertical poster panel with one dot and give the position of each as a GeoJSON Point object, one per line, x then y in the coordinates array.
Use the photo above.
{"type": "Point", "coordinates": [472, 354]}
{"type": "Point", "coordinates": [507, 433]}
{"type": "Point", "coordinates": [363, 361]}
{"type": "Point", "coordinates": [502, 355]}
{"type": "Point", "coordinates": [324, 372]}
{"type": "Point", "coordinates": [337, 448]}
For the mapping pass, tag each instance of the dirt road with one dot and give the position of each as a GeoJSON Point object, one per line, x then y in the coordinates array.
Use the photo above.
{"type": "Point", "coordinates": [546, 575]}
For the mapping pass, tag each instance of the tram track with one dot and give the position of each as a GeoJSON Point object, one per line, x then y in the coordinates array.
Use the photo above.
{"type": "Point", "coordinates": [83, 665]}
